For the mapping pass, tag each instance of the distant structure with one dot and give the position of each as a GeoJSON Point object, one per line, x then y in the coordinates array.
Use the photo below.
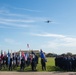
{"type": "Point", "coordinates": [25, 51]}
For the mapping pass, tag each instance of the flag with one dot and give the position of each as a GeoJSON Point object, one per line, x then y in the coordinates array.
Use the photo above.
{"type": "Point", "coordinates": [20, 56]}
{"type": "Point", "coordinates": [42, 54]}
{"type": "Point", "coordinates": [8, 54]}
{"type": "Point", "coordinates": [5, 53]}
{"type": "Point", "coordinates": [9, 60]}
{"type": "Point", "coordinates": [1, 54]}
{"type": "Point", "coordinates": [11, 53]}
{"type": "Point", "coordinates": [8, 57]}
{"type": "Point", "coordinates": [27, 45]}
{"type": "Point", "coordinates": [23, 55]}
{"type": "Point", "coordinates": [26, 56]}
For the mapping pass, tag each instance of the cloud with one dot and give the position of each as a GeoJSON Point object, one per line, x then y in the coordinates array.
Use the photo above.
{"type": "Point", "coordinates": [26, 18]}
{"type": "Point", "coordinates": [12, 14]}
{"type": "Point", "coordinates": [17, 20]}
{"type": "Point", "coordinates": [6, 15]}
{"type": "Point", "coordinates": [15, 23]}
{"type": "Point", "coordinates": [49, 35]}
{"type": "Point", "coordinates": [11, 41]}
{"type": "Point", "coordinates": [59, 42]}
{"type": "Point", "coordinates": [4, 10]}
{"type": "Point", "coordinates": [60, 46]}
{"type": "Point", "coordinates": [62, 43]}
{"type": "Point", "coordinates": [4, 27]}
{"type": "Point", "coordinates": [26, 9]}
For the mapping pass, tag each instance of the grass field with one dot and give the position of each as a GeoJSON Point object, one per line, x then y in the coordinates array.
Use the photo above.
{"type": "Point", "coordinates": [50, 66]}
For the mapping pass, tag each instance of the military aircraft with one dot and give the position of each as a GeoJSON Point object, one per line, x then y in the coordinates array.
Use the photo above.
{"type": "Point", "coordinates": [48, 21]}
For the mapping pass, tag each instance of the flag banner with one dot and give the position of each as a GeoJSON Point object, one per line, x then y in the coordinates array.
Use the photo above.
{"type": "Point", "coordinates": [26, 56]}
{"type": "Point", "coordinates": [1, 54]}
{"type": "Point", "coordinates": [23, 55]}
{"type": "Point", "coordinates": [27, 45]}
{"type": "Point", "coordinates": [11, 53]}
{"type": "Point", "coordinates": [4, 53]}
{"type": "Point", "coordinates": [42, 54]}
{"type": "Point", "coordinates": [20, 56]}
{"type": "Point", "coordinates": [9, 60]}
{"type": "Point", "coordinates": [8, 54]}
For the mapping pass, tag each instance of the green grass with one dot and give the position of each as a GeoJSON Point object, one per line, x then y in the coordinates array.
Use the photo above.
{"type": "Point", "coordinates": [50, 66]}
{"type": "Point", "coordinates": [50, 63]}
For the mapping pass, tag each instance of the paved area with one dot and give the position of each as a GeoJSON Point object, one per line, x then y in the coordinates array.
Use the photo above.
{"type": "Point", "coordinates": [37, 73]}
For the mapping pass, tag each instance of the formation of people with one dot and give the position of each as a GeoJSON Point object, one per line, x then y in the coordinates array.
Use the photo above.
{"type": "Point", "coordinates": [22, 60]}
{"type": "Point", "coordinates": [67, 63]}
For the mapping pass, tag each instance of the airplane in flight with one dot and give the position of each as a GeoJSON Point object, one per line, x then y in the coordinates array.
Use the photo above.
{"type": "Point", "coordinates": [48, 21]}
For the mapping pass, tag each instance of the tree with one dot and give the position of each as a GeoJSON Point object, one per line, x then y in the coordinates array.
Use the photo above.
{"type": "Point", "coordinates": [51, 55]}
{"type": "Point", "coordinates": [69, 54]}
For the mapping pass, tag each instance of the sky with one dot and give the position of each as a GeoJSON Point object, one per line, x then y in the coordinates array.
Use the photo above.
{"type": "Point", "coordinates": [23, 22]}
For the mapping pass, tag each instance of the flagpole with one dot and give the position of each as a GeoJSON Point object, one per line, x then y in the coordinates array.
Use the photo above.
{"type": "Point", "coordinates": [0, 53]}
{"type": "Point", "coordinates": [11, 53]}
{"type": "Point", "coordinates": [20, 56]}
{"type": "Point", "coordinates": [28, 48]}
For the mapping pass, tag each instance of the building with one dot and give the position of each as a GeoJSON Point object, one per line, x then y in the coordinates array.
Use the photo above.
{"type": "Point", "coordinates": [29, 51]}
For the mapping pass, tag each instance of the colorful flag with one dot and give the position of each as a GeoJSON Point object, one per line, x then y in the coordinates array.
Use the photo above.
{"type": "Point", "coordinates": [8, 54]}
{"type": "Point", "coordinates": [9, 60]}
{"type": "Point", "coordinates": [26, 56]}
{"type": "Point", "coordinates": [4, 53]}
{"type": "Point", "coordinates": [42, 54]}
{"type": "Point", "coordinates": [20, 56]}
{"type": "Point", "coordinates": [1, 54]}
{"type": "Point", "coordinates": [23, 55]}
{"type": "Point", "coordinates": [8, 57]}
{"type": "Point", "coordinates": [11, 53]}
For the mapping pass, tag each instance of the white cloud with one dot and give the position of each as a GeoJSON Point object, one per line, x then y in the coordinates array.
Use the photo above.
{"type": "Point", "coordinates": [13, 15]}
{"type": "Point", "coordinates": [6, 12]}
{"type": "Point", "coordinates": [26, 9]}
{"type": "Point", "coordinates": [59, 47]}
{"type": "Point", "coordinates": [11, 24]}
{"type": "Point", "coordinates": [11, 41]}
{"type": "Point", "coordinates": [49, 35]}
{"type": "Point", "coordinates": [17, 20]}
{"type": "Point", "coordinates": [3, 10]}
{"type": "Point", "coordinates": [59, 42]}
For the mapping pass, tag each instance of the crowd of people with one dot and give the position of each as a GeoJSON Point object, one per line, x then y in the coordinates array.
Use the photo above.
{"type": "Point", "coordinates": [67, 63]}
{"type": "Point", "coordinates": [22, 60]}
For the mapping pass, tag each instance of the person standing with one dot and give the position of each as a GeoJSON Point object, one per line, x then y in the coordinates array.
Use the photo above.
{"type": "Point", "coordinates": [22, 66]}
{"type": "Point", "coordinates": [10, 64]}
{"type": "Point", "coordinates": [43, 60]}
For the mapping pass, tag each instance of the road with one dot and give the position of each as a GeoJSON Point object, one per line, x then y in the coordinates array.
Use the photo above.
{"type": "Point", "coordinates": [37, 73]}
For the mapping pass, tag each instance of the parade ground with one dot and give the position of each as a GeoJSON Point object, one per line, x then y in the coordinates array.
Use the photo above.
{"type": "Point", "coordinates": [37, 73]}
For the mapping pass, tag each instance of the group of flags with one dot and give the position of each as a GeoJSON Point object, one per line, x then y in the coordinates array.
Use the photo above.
{"type": "Point", "coordinates": [21, 54]}
{"type": "Point", "coordinates": [9, 54]}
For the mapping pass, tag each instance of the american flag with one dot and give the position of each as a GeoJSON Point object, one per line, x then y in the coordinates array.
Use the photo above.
{"type": "Point", "coordinates": [27, 45]}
